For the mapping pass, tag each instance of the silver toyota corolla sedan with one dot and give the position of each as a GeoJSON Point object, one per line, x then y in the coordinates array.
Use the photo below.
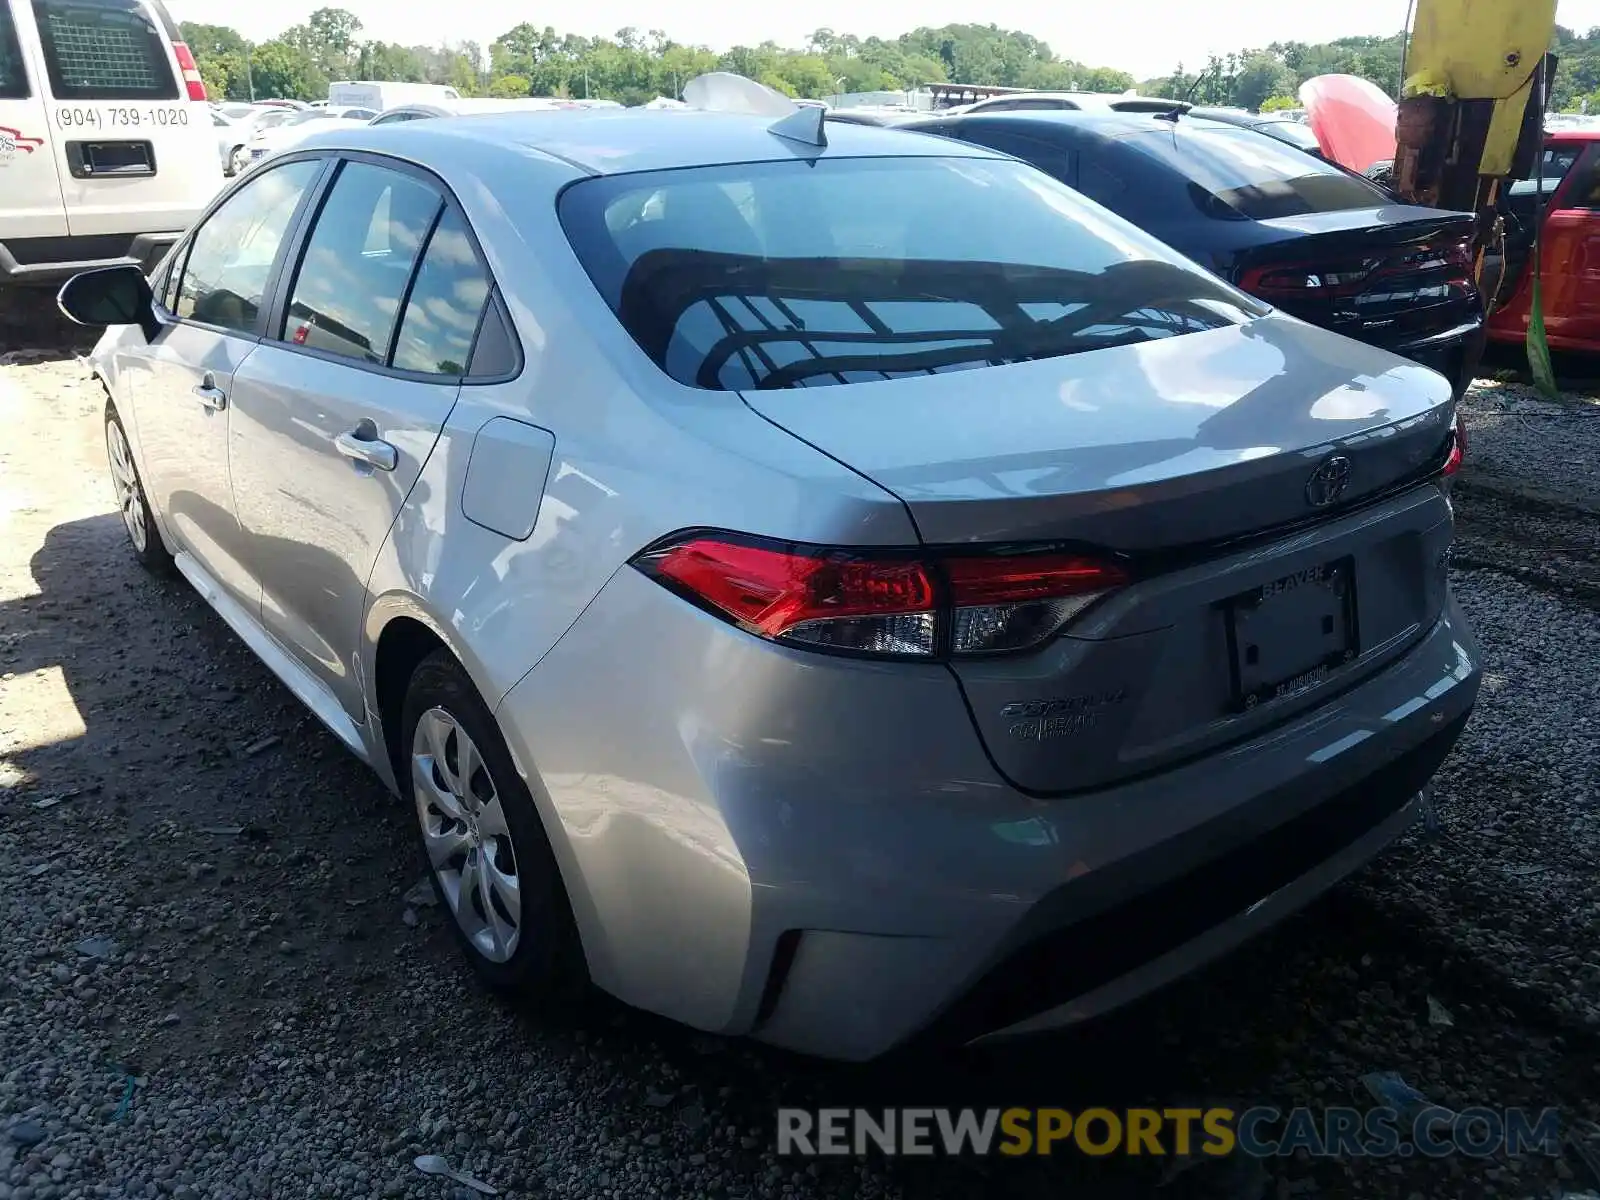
{"type": "Point", "coordinates": [837, 587]}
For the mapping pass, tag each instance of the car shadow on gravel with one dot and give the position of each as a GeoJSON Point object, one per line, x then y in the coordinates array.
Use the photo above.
{"type": "Point", "coordinates": [256, 876]}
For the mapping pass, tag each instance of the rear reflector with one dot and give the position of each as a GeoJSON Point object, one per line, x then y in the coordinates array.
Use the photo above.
{"type": "Point", "coordinates": [191, 72]}
{"type": "Point", "coordinates": [872, 603]}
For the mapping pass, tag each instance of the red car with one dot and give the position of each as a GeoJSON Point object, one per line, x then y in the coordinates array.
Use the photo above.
{"type": "Point", "coordinates": [1570, 282]}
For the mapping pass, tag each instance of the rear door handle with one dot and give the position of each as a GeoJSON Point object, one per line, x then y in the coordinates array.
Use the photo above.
{"type": "Point", "coordinates": [210, 394]}
{"type": "Point", "coordinates": [367, 449]}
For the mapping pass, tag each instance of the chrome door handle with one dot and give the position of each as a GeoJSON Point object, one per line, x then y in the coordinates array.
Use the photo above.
{"type": "Point", "coordinates": [211, 396]}
{"type": "Point", "coordinates": [372, 451]}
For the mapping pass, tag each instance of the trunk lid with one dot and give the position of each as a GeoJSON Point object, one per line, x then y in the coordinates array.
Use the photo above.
{"type": "Point", "coordinates": [1388, 275]}
{"type": "Point", "coordinates": [1164, 453]}
{"type": "Point", "coordinates": [1176, 442]}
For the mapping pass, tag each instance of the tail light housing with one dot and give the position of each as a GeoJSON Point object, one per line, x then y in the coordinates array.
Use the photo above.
{"type": "Point", "coordinates": [191, 71]}
{"type": "Point", "coordinates": [899, 604]}
{"type": "Point", "coordinates": [1453, 258]}
{"type": "Point", "coordinates": [1458, 445]}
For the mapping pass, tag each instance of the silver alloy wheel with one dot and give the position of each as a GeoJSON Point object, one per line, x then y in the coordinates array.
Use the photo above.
{"type": "Point", "coordinates": [468, 841]}
{"type": "Point", "coordinates": [238, 159]}
{"type": "Point", "coordinates": [129, 498]}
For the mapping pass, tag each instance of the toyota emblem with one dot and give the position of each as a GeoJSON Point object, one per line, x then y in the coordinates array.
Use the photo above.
{"type": "Point", "coordinates": [1328, 482]}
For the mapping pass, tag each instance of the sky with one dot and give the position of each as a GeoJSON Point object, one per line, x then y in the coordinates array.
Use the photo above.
{"type": "Point", "coordinates": [1152, 37]}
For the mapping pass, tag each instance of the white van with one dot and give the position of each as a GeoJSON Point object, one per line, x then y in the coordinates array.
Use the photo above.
{"type": "Point", "coordinates": [379, 95]}
{"type": "Point", "coordinates": [107, 151]}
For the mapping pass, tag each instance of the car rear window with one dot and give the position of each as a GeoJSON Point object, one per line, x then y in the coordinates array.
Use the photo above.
{"type": "Point", "coordinates": [104, 50]}
{"type": "Point", "coordinates": [1293, 133]}
{"type": "Point", "coordinates": [1241, 174]}
{"type": "Point", "coordinates": [13, 79]}
{"type": "Point", "coordinates": [838, 271]}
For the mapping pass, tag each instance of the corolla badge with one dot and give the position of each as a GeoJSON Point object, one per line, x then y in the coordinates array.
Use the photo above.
{"type": "Point", "coordinates": [1329, 481]}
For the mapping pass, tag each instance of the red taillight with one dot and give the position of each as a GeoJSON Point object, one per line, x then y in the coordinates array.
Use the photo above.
{"type": "Point", "coordinates": [1304, 281]}
{"type": "Point", "coordinates": [1458, 446]}
{"type": "Point", "coordinates": [191, 72]}
{"type": "Point", "coordinates": [1456, 259]}
{"type": "Point", "coordinates": [866, 602]}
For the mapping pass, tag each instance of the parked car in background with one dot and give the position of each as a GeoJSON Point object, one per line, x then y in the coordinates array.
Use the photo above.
{"type": "Point", "coordinates": [1569, 282]}
{"type": "Point", "coordinates": [236, 124]}
{"type": "Point", "coordinates": [1301, 233]}
{"type": "Point", "coordinates": [470, 106]}
{"type": "Point", "coordinates": [1069, 102]}
{"type": "Point", "coordinates": [284, 135]}
{"type": "Point", "coordinates": [380, 94]}
{"type": "Point", "coordinates": [824, 592]}
{"type": "Point", "coordinates": [107, 147]}
{"type": "Point", "coordinates": [1284, 128]}
{"type": "Point", "coordinates": [874, 115]}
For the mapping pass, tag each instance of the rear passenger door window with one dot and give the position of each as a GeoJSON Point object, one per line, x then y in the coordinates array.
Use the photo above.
{"type": "Point", "coordinates": [104, 50]}
{"type": "Point", "coordinates": [445, 305]}
{"type": "Point", "coordinates": [358, 263]}
{"type": "Point", "coordinates": [231, 255]}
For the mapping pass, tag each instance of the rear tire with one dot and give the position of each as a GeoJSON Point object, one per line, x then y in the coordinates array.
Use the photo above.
{"type": "Point", "coordinates": [483, 841]}
{"type": "Point", "coordinates": [238, 158]}
{"type": "Point", "coordinates": [137, 520]}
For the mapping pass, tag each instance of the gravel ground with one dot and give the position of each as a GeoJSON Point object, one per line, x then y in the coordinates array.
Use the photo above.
{"type": "Point", "coordinates": [214, 981]}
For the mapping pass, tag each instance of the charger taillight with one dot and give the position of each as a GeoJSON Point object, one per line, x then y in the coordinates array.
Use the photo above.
{"type": "Point", "coordinates": [1458, 445]}
{"type": "Point", "coordinates": [867, 602]}
{"type": "Point", "coordinates": [191, 71]}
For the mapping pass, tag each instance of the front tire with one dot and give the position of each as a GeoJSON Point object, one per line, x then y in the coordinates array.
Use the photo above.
{"type": "Point", "coordinates": [137, 519]}
{"type": "Point", "coordinates": [238, 159]}
{"type": "Point", "coordinates": [483, 841]}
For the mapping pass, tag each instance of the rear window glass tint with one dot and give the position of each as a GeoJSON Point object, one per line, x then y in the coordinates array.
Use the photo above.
{"type": "Point", "coordinates": [1292, 132]}
{"type": "Point", "coordinates": [13, 78]}
{"type": "Point", "coordinates": [790, 274]}
{"type": "Point", "coordinates": [104, 50]}
{"type": "Point", "coordinates": [1244, 174]}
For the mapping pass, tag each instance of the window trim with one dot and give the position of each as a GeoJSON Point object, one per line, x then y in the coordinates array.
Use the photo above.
{"type": "Point", "coordinates": [180, 253]}
{"type": "Point", "coordinates": [58, 88]}
{"type": "Point", "coordinates": [298, 241]}
{"type": "Point", "coordinates": [1584, 174]}
{"type": "Point", "coordinates": [14, 43]}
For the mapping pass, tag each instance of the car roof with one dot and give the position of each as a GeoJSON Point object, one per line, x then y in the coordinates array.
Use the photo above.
{"type": "Point", "coordinates": [1107, 125]}
{"type": "Point", "coordinates": [618, 141]}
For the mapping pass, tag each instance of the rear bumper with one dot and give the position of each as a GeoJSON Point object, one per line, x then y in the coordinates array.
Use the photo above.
{"type": "Point", "coordinates": [1455, 353]}
{"type": "Point", "coordinates": [52, 260]}
{"type": "Point", "coordinates": [817, 852]}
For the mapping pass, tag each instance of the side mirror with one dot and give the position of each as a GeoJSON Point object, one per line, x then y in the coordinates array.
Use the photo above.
{"type": "Point", "coordinates": [110, 296]}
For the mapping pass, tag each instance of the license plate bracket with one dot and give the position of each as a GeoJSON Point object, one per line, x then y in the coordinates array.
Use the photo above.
{"type": "Point", "coordinates": [110, 159]}
{"type": "Point", "coordinates": [1288, 636]}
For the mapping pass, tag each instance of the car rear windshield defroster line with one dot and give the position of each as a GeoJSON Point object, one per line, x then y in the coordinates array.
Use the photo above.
{"type": "Point", "coordinates": [789, 274]}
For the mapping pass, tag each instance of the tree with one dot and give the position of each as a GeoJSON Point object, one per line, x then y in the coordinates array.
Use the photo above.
{"type": "Point", "coordinates": [385, 60]}
{"type": "Point", "coordinates": [1261, 76]}
{"type": "Point", "coordinates": [634, 64]}
{"type": "Point", "coordinates": [287, 72]}
{"type": "Point", "coordinates": [334, 31]}
{"type": "Point", "coordinates": [509, 87]}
